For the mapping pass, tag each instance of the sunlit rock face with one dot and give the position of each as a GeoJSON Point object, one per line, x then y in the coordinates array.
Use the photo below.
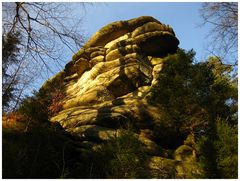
{"type": "Point", "coordinates": [111, 75]}
{"type": "Point", "coordinates": [108, 79]}
{"type": "Point", "coordinates": [106, 83]}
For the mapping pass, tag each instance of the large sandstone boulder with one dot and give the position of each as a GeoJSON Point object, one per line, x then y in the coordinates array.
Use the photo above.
{"type": "Point", "coordinates": [108, 79]}
{"type": "Point", "coordinates": [106, 84]}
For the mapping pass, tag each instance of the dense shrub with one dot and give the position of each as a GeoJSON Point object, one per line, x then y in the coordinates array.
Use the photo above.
{"type": "Point", "coordinates": [192, 95]}
{"type": "Point", "coordinates": [56, 104]}
{"type": "Point", "coordinates": [120, 157]}
{"type": "Point", "coordinates": [227, 149]}
{"type": "Point", "coordinates": [38, 108]}
{"type": "Point", "coordinates": [218, 152]}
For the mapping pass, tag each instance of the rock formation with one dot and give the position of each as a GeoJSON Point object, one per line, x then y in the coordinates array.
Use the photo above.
{"type": "Point", "coordinates": [106, 85]}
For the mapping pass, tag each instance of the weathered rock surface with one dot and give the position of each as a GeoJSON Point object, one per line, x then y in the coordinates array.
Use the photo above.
{"type": "Point", "coordinates": [106, 84]}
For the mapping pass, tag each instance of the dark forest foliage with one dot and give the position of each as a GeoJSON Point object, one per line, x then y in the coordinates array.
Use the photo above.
{"type": "Point", "coordinates": [10, 51]}
{"type": "Point", "coordinates": [201, 99]}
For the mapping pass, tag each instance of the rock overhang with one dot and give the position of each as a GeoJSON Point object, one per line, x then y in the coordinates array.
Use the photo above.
{"type": "Point", "coordinates": [153, 37]}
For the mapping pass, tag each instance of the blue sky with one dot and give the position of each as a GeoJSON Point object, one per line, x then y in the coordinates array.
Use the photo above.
{"type": "Point", "coordinates": [183, 17]}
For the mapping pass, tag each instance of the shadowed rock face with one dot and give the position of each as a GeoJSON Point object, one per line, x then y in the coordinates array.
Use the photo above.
{"type": "Point", "coordinates": [106, 83]}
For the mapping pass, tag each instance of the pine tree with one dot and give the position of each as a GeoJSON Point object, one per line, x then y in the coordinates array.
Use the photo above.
{"type": "Point", "coordinates": [10, 52]}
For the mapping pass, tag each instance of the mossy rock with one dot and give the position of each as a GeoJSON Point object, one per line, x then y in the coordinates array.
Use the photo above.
{"type": "Point", "coordinates": [97, 60]}
{"type": "Point", "coordinates": [163, 168]}
{"type": "Point", "coordinates": [81, 65]}
{"type": "Point", "coordinates": [85, 52]}
{"type": "Point", "coordinates": [93, 133]}
{"type": "Point", "coordinates": [97, 53]}
{"type": "Point", "coordinates": [150, 27]}
{"type": "Point", "coordinates": [53, 83]}
{"type": "Point", "coordinates": [117, 29]}
{"type": "Point", "coordinates": [155, 60]}
{"type": "Point", "coordinates": [184, 153]}
{"type": "Point", "coordinates": [189, 170]}
{"type": "Point", "coordinates": [190, 141]}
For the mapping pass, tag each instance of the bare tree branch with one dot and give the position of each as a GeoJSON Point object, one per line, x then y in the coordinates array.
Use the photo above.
{"type": "Point", "coordinates": [46, 29]}
{"type": "Point", "coordinates": [223, 16]}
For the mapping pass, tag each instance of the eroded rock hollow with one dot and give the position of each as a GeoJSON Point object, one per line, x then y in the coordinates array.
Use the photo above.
{"type": "Point", "coordinates": [107, 82]}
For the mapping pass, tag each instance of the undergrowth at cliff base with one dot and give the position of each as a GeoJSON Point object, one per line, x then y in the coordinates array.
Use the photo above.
{"type": "Point", "coordinates": [198, 99]}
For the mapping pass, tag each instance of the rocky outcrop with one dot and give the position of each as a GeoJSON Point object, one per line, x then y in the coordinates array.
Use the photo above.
{"type": "Point", "coordinates": [107, 82]}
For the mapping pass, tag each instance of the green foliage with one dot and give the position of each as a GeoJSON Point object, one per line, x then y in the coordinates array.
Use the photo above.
{"type": "Point", "coordinates": [10, 50]}
{"type": "Point", "coordinates": [222, 88]}
{"type": "Point", "coordinates": [218, 152]}
{"type": "Point", "coordinates": [227, 150]}
{"type": "Point", "coordinates": [207, 157]}
{"type": "Point", "coordinates": [38, 108]}
{"type": "Point", "coordinates": [35, 110]}
{"type": "Point", "coordinates": [177, 93]}
{"type": "Point", "coordinates": [120, 157]}
{"type": "Point", "coordinates": [172, 77]}
{"type": "Point", "coordinates": [193, 95]}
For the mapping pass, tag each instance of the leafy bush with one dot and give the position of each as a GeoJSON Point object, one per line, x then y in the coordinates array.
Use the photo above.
{"type": "Point", "coordinates": [176, 92]}
{"type": "Point", "coordinates": [192, 96]}
{"type": "Point", "coordinates": [34, 110]}
{"type": "Point", "coordinates": [227, 150]}
{"type": "Point", "coordinates": [120, 157]}
{"type": "Point", "coordinates": [39, 108]}
{"type": "Point", "coordinates": [56, 104]}
{"type": "Point", "coordinates": [218, 153]}
{"type": "Point", "coordinates": [207, 157]}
